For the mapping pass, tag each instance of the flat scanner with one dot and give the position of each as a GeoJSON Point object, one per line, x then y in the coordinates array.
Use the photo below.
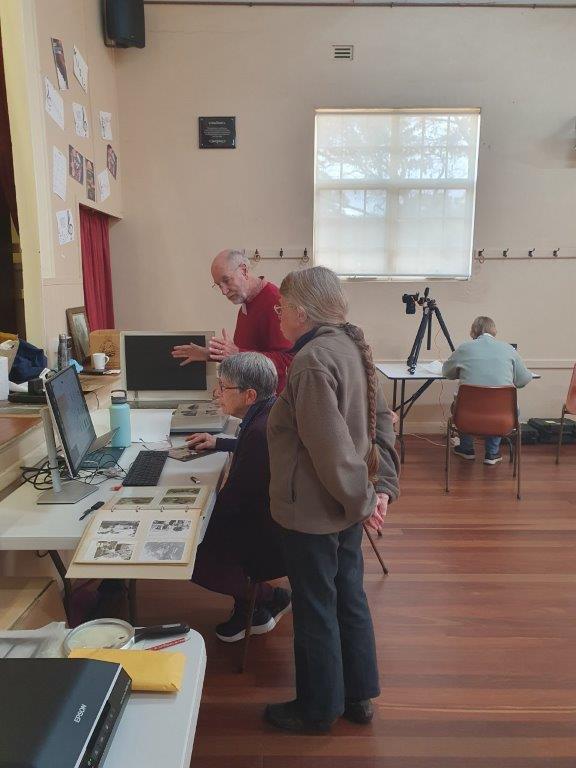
{"type": "Point", "coordinates": [59, 713]}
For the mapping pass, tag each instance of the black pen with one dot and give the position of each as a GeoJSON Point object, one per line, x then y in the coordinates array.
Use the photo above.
{"type": "Point", "coordinates": [92, 508]}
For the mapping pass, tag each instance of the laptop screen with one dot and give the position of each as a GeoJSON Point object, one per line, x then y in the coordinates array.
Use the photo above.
{"type": "Point", "coordinates": [149, 364]}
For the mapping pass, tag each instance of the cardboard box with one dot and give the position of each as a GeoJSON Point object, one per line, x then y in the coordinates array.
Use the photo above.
{"type": "Point", "coordinates": [107, 342]}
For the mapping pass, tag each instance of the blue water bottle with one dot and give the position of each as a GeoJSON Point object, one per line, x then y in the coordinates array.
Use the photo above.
{"type": "Point", "coordinates": [120, 418]}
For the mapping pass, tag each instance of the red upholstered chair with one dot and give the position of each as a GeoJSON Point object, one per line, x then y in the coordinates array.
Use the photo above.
{"type": "Point", "coordinates": [485, 412]}
{"type": "Point", "coordinates": [568, 407]}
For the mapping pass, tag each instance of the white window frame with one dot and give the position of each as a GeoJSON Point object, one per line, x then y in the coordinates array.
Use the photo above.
{"type": "Point", "coordinates": [393, 187]}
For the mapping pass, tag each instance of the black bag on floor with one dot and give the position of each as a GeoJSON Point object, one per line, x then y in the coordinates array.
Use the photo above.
{"type": "Point", "coordinates": [549, 429]}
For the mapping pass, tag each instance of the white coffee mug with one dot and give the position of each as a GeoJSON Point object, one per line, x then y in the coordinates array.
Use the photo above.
{"type": "Point", "coordinates": [99, 361]}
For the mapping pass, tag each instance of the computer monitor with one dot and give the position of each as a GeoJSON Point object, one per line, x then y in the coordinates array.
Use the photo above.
{"type": "Point", "coordinates": [151, 373]}
{"type": "Point", "coordinates": [70, 414]}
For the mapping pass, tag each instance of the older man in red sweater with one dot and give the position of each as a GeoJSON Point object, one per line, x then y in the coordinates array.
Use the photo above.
{"type": "Point", "coordinates": [257, 325]}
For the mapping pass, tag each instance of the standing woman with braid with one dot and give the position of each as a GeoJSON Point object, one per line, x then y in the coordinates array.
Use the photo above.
{"type": "Point", "coordinates": [333, 467]}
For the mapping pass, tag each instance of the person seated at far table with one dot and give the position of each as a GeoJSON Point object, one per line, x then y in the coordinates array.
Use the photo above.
{"type": "Point", "coordinates": [485, 362]}
{"type": "Point", "coordinates": [241, 535]}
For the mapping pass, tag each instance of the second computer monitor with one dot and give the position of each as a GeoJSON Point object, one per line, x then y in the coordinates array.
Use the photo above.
{"type": "Point", "coordinates": [150, 370]}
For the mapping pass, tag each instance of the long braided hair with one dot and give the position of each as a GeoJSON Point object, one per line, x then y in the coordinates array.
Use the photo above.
{"type": "Point", "coordinates": [318, 291]}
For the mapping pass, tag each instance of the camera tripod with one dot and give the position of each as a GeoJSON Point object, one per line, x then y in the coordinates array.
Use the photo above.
{"type": "Point", "coordinates": [429, 309]}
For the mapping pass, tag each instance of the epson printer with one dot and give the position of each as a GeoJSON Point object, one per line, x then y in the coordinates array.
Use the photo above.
{"type": "Point", "coordinates": [59, 713]}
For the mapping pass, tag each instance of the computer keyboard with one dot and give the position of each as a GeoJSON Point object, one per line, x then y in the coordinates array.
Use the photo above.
{"type": "Point", "coordinates": [146, 468]}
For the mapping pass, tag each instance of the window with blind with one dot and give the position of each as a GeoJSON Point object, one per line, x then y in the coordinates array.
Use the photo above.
{"type": "Point", "coordinates": [394, 192]}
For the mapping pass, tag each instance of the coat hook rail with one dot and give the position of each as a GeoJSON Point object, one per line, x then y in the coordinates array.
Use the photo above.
{"type": "Point", "coordinates": [519, 254]}
{"type": "Point", "coordinates": [291, 254]}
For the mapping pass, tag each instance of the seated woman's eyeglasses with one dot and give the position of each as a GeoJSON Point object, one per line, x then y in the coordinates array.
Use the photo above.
{"type": "Point", "coordinates": [222, 388]}
{"type": "Point", "coordinates": [279, 309]}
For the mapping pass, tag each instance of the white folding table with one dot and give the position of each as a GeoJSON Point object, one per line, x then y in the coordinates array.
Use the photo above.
{"type": "Point", "coordinates": [398, 372]}
{"type": "Point", "coordinates": [25, 525]}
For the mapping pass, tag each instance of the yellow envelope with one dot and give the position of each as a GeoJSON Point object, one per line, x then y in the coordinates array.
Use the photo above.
{"type": "Point", "coordinates": [149, 670]}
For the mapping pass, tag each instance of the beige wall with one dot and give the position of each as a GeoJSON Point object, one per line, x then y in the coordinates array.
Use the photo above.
{"type": "Point", "coordinates": [271, 67]}
{"type": "Point", "coordinates": [57, 268]}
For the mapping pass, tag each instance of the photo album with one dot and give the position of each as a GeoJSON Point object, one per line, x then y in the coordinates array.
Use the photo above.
{"type": "Point", "coordinates": [144, 526]}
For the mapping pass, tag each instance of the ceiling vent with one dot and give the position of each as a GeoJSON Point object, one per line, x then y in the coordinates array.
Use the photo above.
{"type": "Point", "coordinates": [343, 52]}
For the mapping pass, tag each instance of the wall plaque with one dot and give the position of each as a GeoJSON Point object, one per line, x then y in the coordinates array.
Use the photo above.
{"type": "Point", "coordinates": [217, 132]}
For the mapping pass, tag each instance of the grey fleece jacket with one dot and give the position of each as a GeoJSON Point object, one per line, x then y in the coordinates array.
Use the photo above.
{"type": "Point", "coordinates": [318, 439]}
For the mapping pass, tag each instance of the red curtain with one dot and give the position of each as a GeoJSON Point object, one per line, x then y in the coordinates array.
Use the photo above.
{"type": "Point", "coordinates": [96, 269]}
{"type": "Point", "coordinates": [7, 188]}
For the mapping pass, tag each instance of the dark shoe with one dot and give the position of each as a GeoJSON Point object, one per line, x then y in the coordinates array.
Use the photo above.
{"type": "Point", "coordinates": [280, 603]}
{"type": "Point", "coordinates": [360, 712]}
{"type": "Point", "coordinates": [287, 717]}
{"type": "Point", "coordinates": [235, 628]}
{"type": "Point", "coordinates": [464, 454]}
{"type": "Point", "coordinates": [492, 459]}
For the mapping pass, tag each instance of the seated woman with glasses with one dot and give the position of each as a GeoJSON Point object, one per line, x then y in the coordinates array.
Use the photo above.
{"type": "Point", "coordinates": [241, 535]}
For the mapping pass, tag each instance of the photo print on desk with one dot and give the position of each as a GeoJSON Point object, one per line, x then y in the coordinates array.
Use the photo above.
{"type": "Point", "coordinates": [90, 181]}
{"type": "Point", "coordinates": [163, 551]}
{"type": "Point", "coordinates": [111, 550]}
{"type": "Point", "coordinates": [75, 164]}
{"type": "Point", "coordinates": [170, 527]}
{"type": "Point", "coordinates": [134, 501]}
{"type": "Point", "coordinates": [60, 62]}
{"type": "Point", "coordinates": [111, 160]}
{"type": "Point", "coordinates": [122, 528]}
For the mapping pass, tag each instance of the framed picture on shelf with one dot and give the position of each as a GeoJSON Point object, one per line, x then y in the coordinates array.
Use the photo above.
{"type": "Point", "coordinates": [79, 331]}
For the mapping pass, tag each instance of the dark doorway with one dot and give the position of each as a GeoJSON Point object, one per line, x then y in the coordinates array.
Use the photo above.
{"type": "Point", "coordinates": [11, 285]}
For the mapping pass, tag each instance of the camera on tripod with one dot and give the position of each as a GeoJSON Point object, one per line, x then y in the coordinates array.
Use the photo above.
{"type": "Point", "coordinates": [429, 309]}
{"type": "Point", "coordinates": [411, 299]}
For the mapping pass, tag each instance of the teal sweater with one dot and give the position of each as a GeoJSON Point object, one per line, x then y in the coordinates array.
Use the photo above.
{"type": "Point", "coordinates": [487, 362]}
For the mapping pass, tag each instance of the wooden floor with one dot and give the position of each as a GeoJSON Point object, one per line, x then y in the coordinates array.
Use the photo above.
{"type": "Point", "coordinates": [475, 628]}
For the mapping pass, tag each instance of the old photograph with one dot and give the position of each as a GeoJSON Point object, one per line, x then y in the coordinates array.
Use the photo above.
{"type": "Point", "coordinates": [178, 501]}
{"type": "Point", "coordinates": [123, 528]}
{"type": "Point", "coordinates": [133, 501]}
{"type": "Point", "coordinates": [170, 526]}
{"type": "Point", "coordinates": [163, 551]}
{"type": "Point", "coordinates": [189, 491]}
{"type": "Point", "coordinates": [113, 550]}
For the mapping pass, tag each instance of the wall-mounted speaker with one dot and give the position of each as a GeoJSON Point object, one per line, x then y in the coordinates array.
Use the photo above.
{"type": "Point", "coordinates": [124, 23]}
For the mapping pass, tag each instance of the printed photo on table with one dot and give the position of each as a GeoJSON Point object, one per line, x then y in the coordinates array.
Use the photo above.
{"type": "Point", "coordinates": [113, 550]}
{"type": "Point", "coordinates": [123, 528]}
{"type": "Point", "coordinates": [170, 526]}
{"type": "Point", "coordinates": [133, 501]}
{"type": "Point", "coordinates": [163, 551]}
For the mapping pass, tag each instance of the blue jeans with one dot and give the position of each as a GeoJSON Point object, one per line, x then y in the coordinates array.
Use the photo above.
{"type": "Point", "coordinates": [334, 647]}
{"type": "Point", "coordinates": [491, 444]}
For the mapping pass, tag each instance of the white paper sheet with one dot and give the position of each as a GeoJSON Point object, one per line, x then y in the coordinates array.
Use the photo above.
{"type": "Point", "coordinates": [65, 222]}
{"type": "Point", "coordinates": [59, 173]}
{"type": "Point", "coordinates": [104, 184]}
{"type": "Point", "coordinates": [54, 103]}
{"type": "Point", "coordinates": [80, 120]}
{"type": "Point", "coordinates": [80, 69]}
{"type": "Point", "coordinates": [106, 125]}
